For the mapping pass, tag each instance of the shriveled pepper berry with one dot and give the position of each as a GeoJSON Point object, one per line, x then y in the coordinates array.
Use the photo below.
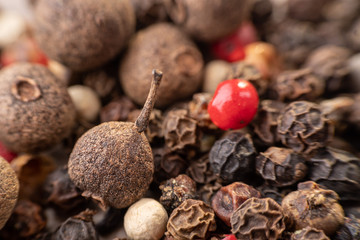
{"type": "Point", "coordinates": [234, 104]}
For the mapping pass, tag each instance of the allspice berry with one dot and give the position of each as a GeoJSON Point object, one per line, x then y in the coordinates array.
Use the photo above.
{"type": "Point", "coordinates": [207, 20]}
{"type": "Point", "coordinates": [83, 34]}
{"type": "Point", "coordinates": [113, 162]}
{"type": "Point", "coordinates": [180, 60]}
{"type": "Point", "coordinates": [36, 111]}
{"type": "Point", "coordinates": [9, 190]}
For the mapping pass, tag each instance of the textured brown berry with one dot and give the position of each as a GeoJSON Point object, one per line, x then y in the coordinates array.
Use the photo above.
{"type": "Point", "coordinates": [177, 190]}
{"type": "Point", "coordinates": [193, 219]}
{"type": "Point", "coordinates": [300, 84]}
{"type": "Point", "coordinates": [36, 111]}
{"type": "Point", "coordinates": [26, 220]}
{"type": "Point", "coordinates": [281, 166]}
{"type": "Point", "coordinates": [83, 35]}
{"type": "Point", "coordinates": [329, 62]}
{"type": "Point", "coordinates": [230, 197]}
{"type": "Point", "coordinates": [179, 129]}
{"type": "Point", "coordinates": [313, 206]}
{"type": "Point", "coordinates": [9, 190]}
{"type": "Point", "coordinates": [207, 20]}
{"type": "Point", "coordinates": [113, 162]}
{"type": "Point", "coordinates": [79, 227]}
{"type": "Point", "coordinates": [266, 121]}
{"type": "Point", "coordinates": [200, 170]}
{"type": "Point", "coordinates": [180, 60]}
{"type": "Point", "coordinates": [304, 127]}
{"type": "Point", "coordinates": [258, 219]}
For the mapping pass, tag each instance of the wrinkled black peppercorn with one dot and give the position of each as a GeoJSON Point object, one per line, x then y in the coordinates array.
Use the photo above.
{"type": "Point", "coordinates": [233, 157]}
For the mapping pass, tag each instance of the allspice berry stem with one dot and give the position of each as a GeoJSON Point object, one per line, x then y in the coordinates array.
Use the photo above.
{"type": "Point", "coordinates": [143, 120]}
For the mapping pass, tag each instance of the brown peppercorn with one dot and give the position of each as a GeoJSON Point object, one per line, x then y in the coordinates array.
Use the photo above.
{"type": "Point", "coordinates": [26, 220]}
{"type": "Point", "coordinates": [266, 121]}
{"type": "Point", "coordinates": [329, 62]}
{"type": "Point", "coordinates": [281, 166]}
{"type": "Point", "coordinates": [32, 171]}
{"type": "Point", "coordinates": [338, 109]}
{"type": "Point", "coordinates": [168, 164]}
{"type": "Point", "coordinates": [198, 110]}
{"type": "Point", "coordinates": [80, 227]}
{"type": "Point", "coordinates": [117, 110]}
{"type": "Point", "coordinates": [113, 159]}
{"type": "Point", "coordinates": [304, 127]}
{"type": "Point", "coordinates": [276, 193]}
{"type": "Point", "coordinates": [193, 219]}
{"type": "Point", "coordinates": [83, 35]}
{"type": "Point", "coordinates": [61, 191]}
{"type": "Point", "coordinates": [36, 111]}
{"type": "Point", "coordinates": [200, 170]}
{"type": "Point", "coordinates": [337, 170]}
{"type": "Point", "coordinates": [249, 72]}
{"type": "Point", "coordinates": [258, 219]}
{"type": "Point", "coordinates": [180, 60]}
{"type": "Point", "coordinates": [232, 158]}
{"type": "Point", "coordinates": [300, 84]}
{"type": "Point", "coordinates": [9, 190]}
{"type": "Point", "coordinates": [179, 129]}
{"type": "Point", "coordinates": [230, 197]}
{"type": "Point", "coordinates": [207, 20]}
{"type": "Point", "coordinates": [309, 233]}
{"type": "Point", "coordinates": [154, 131]}
{"type": "Point", "coordinates": [313, 206]}
{"type": "Point", "coordinates": [177, 190]}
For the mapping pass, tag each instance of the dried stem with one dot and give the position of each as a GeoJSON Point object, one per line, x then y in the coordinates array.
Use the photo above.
{"type": "Point", "coordinates": [142, 121]}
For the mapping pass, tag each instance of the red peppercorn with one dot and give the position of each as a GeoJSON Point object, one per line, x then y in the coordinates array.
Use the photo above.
{"type": "Point", "coordinates": [6, 154]}
{"type": "Point", "coordinates": [229, 237]}
{"type": "Point", "coordinates": [234, 104]}
{"type": "Point", "coordinates": [232, 47]}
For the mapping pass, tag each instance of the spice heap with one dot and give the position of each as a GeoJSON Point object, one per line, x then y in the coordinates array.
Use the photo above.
{"type": "Point", "coordinates": [247, 129]}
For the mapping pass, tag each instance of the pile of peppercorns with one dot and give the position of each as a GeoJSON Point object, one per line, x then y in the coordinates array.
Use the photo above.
{"type": "Point", "coordinates": [181, 119]}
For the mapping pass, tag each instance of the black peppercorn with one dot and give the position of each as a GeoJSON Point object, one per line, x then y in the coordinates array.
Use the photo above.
{"type": "Point", "coordinates": [300, 84]}
{"type": "Point", "coordinates": [304, 127]}
{"type": "Point", "coordinates": [80, 227]}
{"type": "Point", "coordinates": [337, 170]}
{"type": "Point", "coordinates": [233, 157]}
{"type": "Point", "coordinates": [281, 166]}
{"type": "Point", "coordinates": [176, 190]}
